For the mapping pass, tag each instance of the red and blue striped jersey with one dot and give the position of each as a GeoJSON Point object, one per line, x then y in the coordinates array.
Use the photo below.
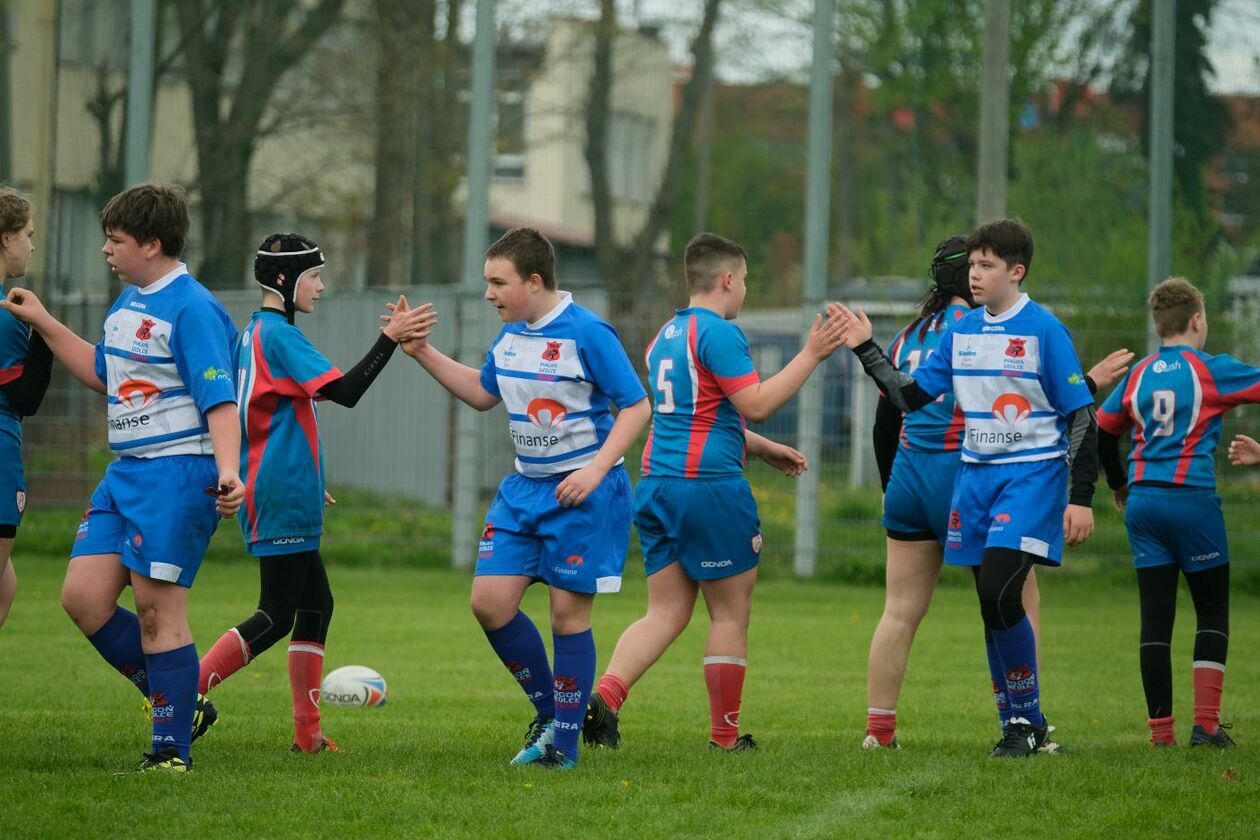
{"type": "Point", "coordinates": [697, 360]}
{"type": "Point", "coordinates": [15, 342]}
{"type": "Point", "coordinates": [1173, 401]}
{"type": "Point", "coordinates": [282, 459]}
{"type": "Point", "coordinates": [937, 427]}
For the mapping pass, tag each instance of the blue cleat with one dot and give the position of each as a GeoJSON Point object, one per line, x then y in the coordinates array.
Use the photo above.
{"type": "Point", "coordinates": [538, 738]}
{"type": "Point", "coordinates": [554, 759]}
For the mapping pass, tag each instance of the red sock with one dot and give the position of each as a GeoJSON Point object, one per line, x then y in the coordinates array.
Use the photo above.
{"type": "Point", "coordinates": [306, 669]}
{"type": "Point", "coordinates": [229, 655]}
{"type": "Point", "coordinates": [1162, 730]}
{"type": "Point", "coordinates": [724, 677]}
{"type": "Point", "coordinates": [613, 690]}
{"type": "Point", "coordinates": [1209, 681]}
{"type": "Point", "coordinates": [882, 723]}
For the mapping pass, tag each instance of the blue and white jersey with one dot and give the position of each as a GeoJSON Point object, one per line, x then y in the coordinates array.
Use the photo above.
{"type": "Point", "coordinates": [558, 378]}
{"type": "Point", "coordinates": [1016, 378]}
{"type": "Point", "coordinates": [1173, 400]}
{"type": "Point", "coordinates": [166, 358]}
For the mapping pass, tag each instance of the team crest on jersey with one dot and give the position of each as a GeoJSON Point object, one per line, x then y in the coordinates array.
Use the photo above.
{"type": "Point", "coordinates": [144, 331]}
{"type": "Point", "coordinates": [1015, 347]}
{"type": "Point", "coordinates": [21, 501]}
{"type": "Point", "coordinates": [552, 353]}
{"type": "Point", "coordinates": [131, 390]}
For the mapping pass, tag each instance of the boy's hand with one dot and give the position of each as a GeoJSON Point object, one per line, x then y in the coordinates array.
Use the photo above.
{"type": "Point", "coordinates": [230, 496]}
{"type": "Point", "coordinates": [784, 458]}
{"type": "Point", "coordinates": [328, 499]}
{"type": "Point", "coordinates": [1121, 495]}
{"type": "Point", "coordinates": [405, 324]}
{"type": "Point", "coordinates": [1078, 524]}
{"type": "Point", "coordinates": [825, 337]}
{"type": "Point", "coordinates": [1244, 451]}
{"type": "Point", "coordinates": [857, 327]}
{"type": "Point", "coordinates": [579, 484]}
{"type": "Point", "coordinates": [25, 306]}
{"type": "Point", "coordinates": [1108, 371]}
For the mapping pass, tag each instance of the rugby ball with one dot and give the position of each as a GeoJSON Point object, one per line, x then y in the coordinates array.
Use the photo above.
{"type": "Point", "coordinates": [353, 685]}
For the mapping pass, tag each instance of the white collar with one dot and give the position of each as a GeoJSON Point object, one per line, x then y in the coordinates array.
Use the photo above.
{"type": "Point", "coordinates": [566, 298]}
{"type": "Point", "coordinates": [1020, 303]}
{"type": "Point", "coordinates": [167, 279]}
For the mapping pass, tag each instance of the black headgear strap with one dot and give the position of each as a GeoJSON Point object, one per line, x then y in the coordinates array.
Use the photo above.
{"type": "Point", "coordinates": [298, 255]}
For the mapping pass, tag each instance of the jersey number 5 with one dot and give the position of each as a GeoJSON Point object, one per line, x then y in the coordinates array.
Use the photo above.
{"type": "Point", "coordinates": [666, 404]}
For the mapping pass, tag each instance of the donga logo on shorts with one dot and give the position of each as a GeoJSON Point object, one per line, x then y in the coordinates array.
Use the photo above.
{"type": "Point", "coordinates": [716, 564]}
{"type": "Point", "coordinates": [1203, 558]}
{"type": "Point", "coordinates": [289, 541]}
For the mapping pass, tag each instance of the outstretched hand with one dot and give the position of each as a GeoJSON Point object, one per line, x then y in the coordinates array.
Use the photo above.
{"type": "Point", "coordinates": [1109, 370]}
{"type": "Point", "coordinates": [24, 305]}
{"type": "Point", "coordinates": [409, 327]}
{"type": "Point", "coordinates": [1244, 451]}
{"type": "Point", "coordinates": [857, 327]}
{"type": "Point", "coordinates": [825, 337]}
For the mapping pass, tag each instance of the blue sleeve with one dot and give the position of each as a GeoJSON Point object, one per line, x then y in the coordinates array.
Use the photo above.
{"type": "Point", "coordinates": [292, 355]}
{"type": "Point", "coordinates": [935, 374]}
{"type": "Point", "coordinates": [722, 348]}
{"type": "Point", "coordinates": [202, 341]}
{"type": "Point", "coordinates": [1113, 417]}
{"type": "Point", "coordinates": [1061, 376]}
{"type": "Point", "coordinates": [1236, 383]}
{"type": "Point", "coordinates": [606, 363]}
{"type": "Point", "coordinates": [490, 382]}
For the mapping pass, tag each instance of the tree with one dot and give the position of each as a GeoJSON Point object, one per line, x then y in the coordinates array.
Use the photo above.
{"type": "Point", "coordinates": [235, 53]}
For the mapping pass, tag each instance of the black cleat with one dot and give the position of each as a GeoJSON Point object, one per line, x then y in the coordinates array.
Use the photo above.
{"type": "Point", "coordinates": [599, 729]}
{"type": "Point", "coordinates": [554, 759]}
{"type": "Point", "coordinates": [204, 716]}
{"type": "Point", "coordinates": [164, 761]}
{"type": "Point", "coordinates": [744, 743]}
{"type": "Point", "coordinates": [1020, 740]}
{"type": "Point", "coordinates": [1199, 737]}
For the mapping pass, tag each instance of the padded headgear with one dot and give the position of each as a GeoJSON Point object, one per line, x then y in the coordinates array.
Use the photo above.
{"type": "Point", "coordinates": [949, 268]}
{"type": "Point", "coordinates": [288, 254]}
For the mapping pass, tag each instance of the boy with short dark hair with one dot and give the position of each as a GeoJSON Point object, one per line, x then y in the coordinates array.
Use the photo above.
{"type": "Point", "coordinates": [165, 364]}
{"type": "Point", "coordinates": [563, 516]}
{"type": "Point", "coordinates": [1173, 400]}
{"type": "Point", "coordinates": [1029, 424]}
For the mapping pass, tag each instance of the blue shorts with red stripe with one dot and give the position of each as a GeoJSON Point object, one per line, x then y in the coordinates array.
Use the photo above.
{"type": "Point", "coordinates": [1176, 525]}
{"type": "Point", "coordinates": [156, 513]}
{"type": "Point", "coordinates": [578, 549]}
{"type": "Point", "coordinates": [1018, 506]}
{"type": "Point", "coordinates": [709, 526]}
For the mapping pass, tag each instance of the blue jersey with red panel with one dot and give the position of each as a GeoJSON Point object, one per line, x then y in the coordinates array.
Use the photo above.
{"type": "Point", "coordinates": [697, 360]}
{"type": "Point", "coordinates": [15, 342]}
{"type": "Point", "coordinates": [937, 427]}
{"type": "Point", "coordinates": [558, 378]}
{"type": "Point", "coordinates": [1173, 400]}
{"type": "Point", "coordinates": [282, 459]}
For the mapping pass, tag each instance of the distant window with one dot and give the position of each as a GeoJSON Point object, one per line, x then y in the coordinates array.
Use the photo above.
{"type": "Point", "coordinates": [631, 158]}
{"type": "Point", "coordinates": [509, 129]}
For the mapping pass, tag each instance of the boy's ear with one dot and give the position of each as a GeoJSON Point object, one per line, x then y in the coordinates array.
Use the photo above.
{"type": "Point", "coordinates": [1020, 271]}
{"type": "Point", "coordinates": [152, 248]}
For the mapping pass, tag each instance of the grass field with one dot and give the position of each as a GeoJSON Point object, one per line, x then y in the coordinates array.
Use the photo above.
{"type": "Point", "coordinates": [432, 762]}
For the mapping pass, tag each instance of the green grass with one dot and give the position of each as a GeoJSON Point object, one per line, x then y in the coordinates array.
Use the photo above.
{"type": "Point", "coordinates": [432, 762]}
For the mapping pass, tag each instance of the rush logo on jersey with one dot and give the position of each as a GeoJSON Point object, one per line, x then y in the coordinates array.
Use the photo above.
{"type": "Point", "coordinates": [552, 352]}
{"type": "Point", "coordinates": [546, 413]}
{"type": "Point", "coordinates": [1012, 408]}
{"type": "Point", "coordinates": [129, 390]}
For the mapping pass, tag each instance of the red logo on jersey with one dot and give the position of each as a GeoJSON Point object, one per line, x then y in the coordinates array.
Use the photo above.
{"type": "Point", "coordinates": [1015, 347]}
{"type": "Point", "coordinates": [573, 560]}
{"type": "Point", "coordinates": [1002, 518]}
{"type": "Point", "coordinates": [130, 389]}
{"type": "Point", "coordinates": [545, 413]}
{"type": "Point", "coordinates": [1012, 408]}
{"type": "Point", "coordinates": [552, 353]}
{"type": "Point", "coordinates": [955, 521]}
{"type": "Point", "coordinates": [145, 325]}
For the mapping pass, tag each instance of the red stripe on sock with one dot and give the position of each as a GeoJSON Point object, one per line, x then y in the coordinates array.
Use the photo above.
{"type": "Point", "coordinates": [725, 681]}
{"type": "Point", "coordinates": [1208, 685]}
{"type": "Point", "coordinates": [613, 690]}
{"type": "Point", "coordinates": [883, 725]}
{"type": "Point", "coordinates": [228, 655]}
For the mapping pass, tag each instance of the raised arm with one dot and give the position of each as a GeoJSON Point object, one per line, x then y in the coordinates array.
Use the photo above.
{"type": "Point", "coordinates": [762, 399]}
{"type": "Point", "coordinates": [77, 354]}
{"type": "Point", "coordinates": [902, 389]}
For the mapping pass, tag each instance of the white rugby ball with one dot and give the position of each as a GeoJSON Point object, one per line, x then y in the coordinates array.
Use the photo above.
{"type": "Point", "coordinates": [353, 685]}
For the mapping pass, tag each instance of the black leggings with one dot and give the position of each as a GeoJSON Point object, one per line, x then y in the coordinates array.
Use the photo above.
{"type": "Point", "coordinates": [1157, 586]}
{"type": "Point", "coordinates": [1000, 585]}
{"type": "Point", "coordinates": [294, 595]}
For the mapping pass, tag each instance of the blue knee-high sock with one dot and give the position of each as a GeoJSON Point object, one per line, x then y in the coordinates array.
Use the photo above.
{"type": "Point", "coordinates": [521, 648]}
{"type": "Point", "coordinates": [998, 676]}
{"type": "Point", "coordinates": [1017, 649]}
{"type": "Point", "coordinates": [574, 679]}
{"type": "Point", "coordinates": [173, 693]}
{"type": "Point", "coordinates": [118, 643]}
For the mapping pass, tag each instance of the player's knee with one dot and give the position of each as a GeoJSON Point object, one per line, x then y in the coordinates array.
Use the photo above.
{"type": "Point", "coordinates": [490, 612]}
{"type": "Point", "coordinates": [906, 611]}
{"type": "Point", "coordinates": [1001, 613]}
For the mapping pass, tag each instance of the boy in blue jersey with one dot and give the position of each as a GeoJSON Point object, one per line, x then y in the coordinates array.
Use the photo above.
{"type": "Point", "coordinates": [918, 458]}
{"type": "Point", "coordinates": [25, 368]}
{"type": "Point", "coordinates": [563, 517]}
{"type": "Point", "coordinates": [1173, 401]}
{"type": "Point", "coordinates": [697, 520]}
{"type": "Point", "coordinates": [1029, 424]}
{"type": "Point", "coordinates": [164, 363]}
{"type": "Point", "coordinates": [280, 375]}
